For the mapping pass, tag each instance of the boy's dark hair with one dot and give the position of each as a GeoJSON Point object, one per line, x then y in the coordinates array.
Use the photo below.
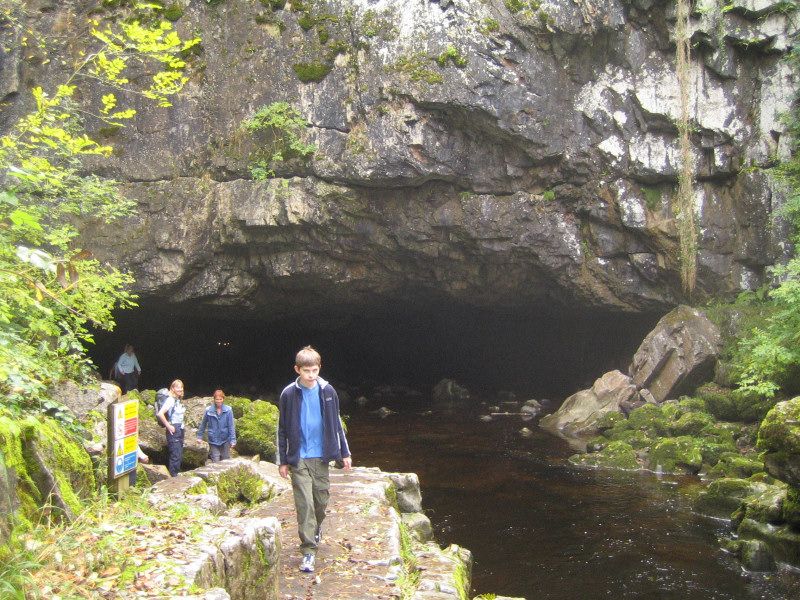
{"type": "Point", "coordinates": [308, 357]}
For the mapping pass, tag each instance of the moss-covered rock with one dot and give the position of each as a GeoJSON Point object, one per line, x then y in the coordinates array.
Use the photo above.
{"type": "Point", "coordinates": [257, 429]}
{"type": "Point", "coordinates": [724, 496]}
{"type": "Point", "coordinates": [734, 464]}
{"type": "Point", "coordinates": [692, 423]}
{"type": "Point", "coordinates": [651, 420]}
{"type": "Point", "coordinates": [59, 465]}
{"type": "Point", "coordinates": [791, 508]}
{"type": "Point", "coordinates": [783, 542]}
{"type": "Point", "coordinates": [670, 455]}
{"type": "Point", "coordinates": [734, 405]}
{"type": "Point", "coordinates": [779, 435]}
{"type": "Point", "coordinates": [239, 405]}
{"type": "Point", "coordinates": [764, 504]}
{"type": "Point", "coordinates": [615, 455]}
{"type": "Point", "coordinates": [608, 420]}
{"type": "Point", "coordinates": [241, 484]}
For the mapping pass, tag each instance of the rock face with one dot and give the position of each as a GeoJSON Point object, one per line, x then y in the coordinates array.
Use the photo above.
{"type": "Point", "coordinates": [679, 354]}
{"type": "Point", "coordinates": [580, 412]}
{"type": "Point", "coordinates": [465, 151]}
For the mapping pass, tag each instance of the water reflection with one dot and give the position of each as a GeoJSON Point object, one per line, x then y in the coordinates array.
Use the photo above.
{"type": "Point", "coordinates": [542, 529]}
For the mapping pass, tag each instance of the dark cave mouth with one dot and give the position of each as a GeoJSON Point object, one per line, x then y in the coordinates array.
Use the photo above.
{"type": "Point", "coordinates": [536, 352]}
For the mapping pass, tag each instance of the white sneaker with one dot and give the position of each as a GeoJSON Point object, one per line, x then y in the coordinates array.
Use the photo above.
{"type": "Point", "coordinates": [307, 564]}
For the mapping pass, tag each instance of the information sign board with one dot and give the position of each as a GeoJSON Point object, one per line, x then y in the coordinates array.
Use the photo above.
{"type": "Point", "coordinates": [123, 438]}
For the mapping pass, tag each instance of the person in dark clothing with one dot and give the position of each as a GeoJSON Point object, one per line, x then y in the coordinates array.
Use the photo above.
{"type": "Point", "coordinates": [310, 435]}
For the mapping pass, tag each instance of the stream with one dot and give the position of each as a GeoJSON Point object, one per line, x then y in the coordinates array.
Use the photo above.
{"type": "Point", "coordinates": [542, 529]}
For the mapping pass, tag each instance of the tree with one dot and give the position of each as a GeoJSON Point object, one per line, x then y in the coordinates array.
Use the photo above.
{"type": "Point", "coordinates": [51, 290]}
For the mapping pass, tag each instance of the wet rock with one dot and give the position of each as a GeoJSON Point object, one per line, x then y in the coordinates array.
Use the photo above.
{"type": "Point", "coordinates": [613, 455]}
{"type": "Point", "coordinates": [531, 408]}
{"type": "Point", "coordinates": [755, 556]}
{"type": "Point", "coordinates": [678, 355]}
{"type": "Point", "coordinates": [486, 418]}
{"type": "Point", "coordinates": [409, 497]}
{"type": "Point", "coordinates": [362, 401]}
{"type": "Point", "coordinates": [525, 432]}
{"type": "Point", "coordinates": [384, 412]}
{"type": "Point", "coordinates": [448, 392]}
{"type": "Point", "coordinates": [419, 525]}
{"type": "Point", "coordinates": [723, 496]}
{"type": "Point", "coordinates": [580, 413]}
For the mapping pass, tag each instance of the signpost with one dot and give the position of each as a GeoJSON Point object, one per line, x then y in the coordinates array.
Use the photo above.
{"type": "Point", "coordinates": [123, 444]}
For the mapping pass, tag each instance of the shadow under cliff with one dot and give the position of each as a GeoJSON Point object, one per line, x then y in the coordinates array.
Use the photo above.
{"type": "Point", "coordinates": [535, 352]}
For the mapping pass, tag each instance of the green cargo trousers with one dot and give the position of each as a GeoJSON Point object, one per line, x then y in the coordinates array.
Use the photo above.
{"type": "Point", "coordinates": [311, 488]}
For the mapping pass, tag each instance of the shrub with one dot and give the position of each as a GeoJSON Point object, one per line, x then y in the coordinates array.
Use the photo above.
{"type": "Point", "coordinates": [257, 429]}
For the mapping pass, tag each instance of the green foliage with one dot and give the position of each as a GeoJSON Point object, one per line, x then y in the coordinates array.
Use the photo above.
{"type": "Point", "coordinates": [416, 66]}
{"type": "Point", "coordinates": [489, 25]}
{"type": "Point", "coordinates": [282, 126]}
{"type": "Point", "coordinates": [548, 195]}
{"type": "Point", "coordinates": [51, 291]}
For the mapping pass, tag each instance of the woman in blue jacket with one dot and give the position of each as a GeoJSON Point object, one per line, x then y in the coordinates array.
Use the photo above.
{"type": "Point", "coordinates": [218, 418]}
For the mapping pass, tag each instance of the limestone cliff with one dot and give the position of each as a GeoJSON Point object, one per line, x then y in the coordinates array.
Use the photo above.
{"type": "Point", "coordinates": [492, 152]}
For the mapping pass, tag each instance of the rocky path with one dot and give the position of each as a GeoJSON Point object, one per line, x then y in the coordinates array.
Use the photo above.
{"type": "Point", "coordinates": [359, 556]}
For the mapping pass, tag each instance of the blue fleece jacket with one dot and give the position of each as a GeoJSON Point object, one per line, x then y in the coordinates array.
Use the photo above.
{"type": "Point", "coordinates": [334, 442]}
{"type": "Point", "coordinates": [220, 427]}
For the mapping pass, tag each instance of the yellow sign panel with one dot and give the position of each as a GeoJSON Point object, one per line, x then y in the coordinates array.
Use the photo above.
{"type": "Point", "coordinates": [120, 449]}
{"type": "Point", "coordinates": [131, 442]}
{"type": "Point", "coordinates": [131, 409]}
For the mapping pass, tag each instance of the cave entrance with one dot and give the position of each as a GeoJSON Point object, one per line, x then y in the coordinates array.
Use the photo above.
{"type": "Point", "coordinates": [534, 352]}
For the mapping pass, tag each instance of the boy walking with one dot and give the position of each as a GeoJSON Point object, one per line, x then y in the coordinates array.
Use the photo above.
{"type": "Point", "coordinates": [310, 435]}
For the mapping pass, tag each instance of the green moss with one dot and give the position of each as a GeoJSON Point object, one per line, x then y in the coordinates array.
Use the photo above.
{"type": "Point", "coordinates": [239, 485]}
{"type": "Point", "coordinates": [11, 449]}
{"type": "Point", "coordinates": [691, 423]}
{"type": "Point", "coordinates": [763, 504]}
{"type": "Point", "coordinates": [416, 67]}
{"type": "Point", "coordinates": [306, 21]}
{"type": "Point", "coordinates": [391, 497]}
{"type": "Point", "coordinates": [780, 429]}
{"type": "Point", "coordinates": [274, 4]}
{"type": "Point", "coordinates": [239, 405]}
{"type": "Point", "coordinates": [548, 195]}
{"type": "Point", "coordinates": [734, 405]}
{"type": "Point", "coordinates": [783, 542]}
{"type": "Point", "coordinates": [256, 430]}
{"type": "Point", "coordinates": [201, 487]}
{"type": "Point", "coordinates": [791, 508]}
{"type": "Point", "coordinates": [670, 455]}
{"type": "Point", "coordinates": [323, 34]}
{"type": "Point", "coordinates": [173, 12]}
{"type": "Point", "coordinates": [312, 71]}
{"type": "Point", "coordinates": [489, 25]}
{"type": "Point", "coordinates": [615, 455]}
{"type": "Point", "coordinates": [723, 496]}
{"type": "Point", "coordinates": [652, 197]}
{"type": "Point", "coordinates": [451, 55]}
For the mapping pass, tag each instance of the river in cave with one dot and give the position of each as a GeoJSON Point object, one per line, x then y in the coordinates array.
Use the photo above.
{"type": "Point", "coordinates": [537, 527]}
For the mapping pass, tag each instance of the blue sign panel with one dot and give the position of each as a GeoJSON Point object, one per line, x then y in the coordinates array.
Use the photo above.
{"type": "Point", "coordinates": [129, 462]}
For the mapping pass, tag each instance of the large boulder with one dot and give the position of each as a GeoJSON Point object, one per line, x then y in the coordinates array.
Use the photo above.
{"type": "Point", "coordinates": [581, 412]}
{"type": "Point", "coordinates": [779, 436]}
{"type": "Point", "coordinates": [447, 393]}
{"type": "Point", "coordinates": [677, 355]}
{"type": "Point", "coordinates": [81, 400]}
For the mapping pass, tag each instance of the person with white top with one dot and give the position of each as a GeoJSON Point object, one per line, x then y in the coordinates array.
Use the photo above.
{"type": "Point", "coordinates": [127, 370]}
{"type": "Point", "coordinates": [171, 416]}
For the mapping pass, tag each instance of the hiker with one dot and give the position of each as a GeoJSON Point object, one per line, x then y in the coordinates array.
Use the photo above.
{"type": "Point", "coordinates": [310, 435]}
{"type": "Point", "coordinates": [127, 370]}
{"type": "Point", "coordinates": [218, 418]}
{"type": "Point", "coordinates": [171, 416]}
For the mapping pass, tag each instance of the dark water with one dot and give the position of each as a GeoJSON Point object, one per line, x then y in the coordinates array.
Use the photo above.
{"type": "Point", "coordinates": [542, 529]}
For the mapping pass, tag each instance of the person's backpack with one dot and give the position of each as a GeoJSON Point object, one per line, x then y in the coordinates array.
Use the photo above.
{"type": "Point", "coordinates": [161, 397]}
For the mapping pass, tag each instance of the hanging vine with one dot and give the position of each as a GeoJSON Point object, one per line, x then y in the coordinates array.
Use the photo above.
{"type": "Point", "coordinates": [687, 227]}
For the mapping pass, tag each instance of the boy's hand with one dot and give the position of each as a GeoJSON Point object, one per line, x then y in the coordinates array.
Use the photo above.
{"type": "Point", "coordinates": [284, 471]}
{"type": "Point", "coordinates": [348, 463]}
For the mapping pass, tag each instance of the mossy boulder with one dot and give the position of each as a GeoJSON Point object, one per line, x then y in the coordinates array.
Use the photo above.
{"type": "Point", "coordinates": [734, 464]}
{"type": "Point", "coordinates": [256, 430]}
{"type": "Point", "coordinates": [779, 436]}
{"type": "Point", "coordinates": [783, 541]}
{"type": "Point", "coordinates": [791, 508]}
{"type": "Point", "coordinates": [615, 455]}
{"type": "Point", "coordinates": [238, 405]}
{"type": "Point", "coordinates": [734, 405]}
{"type": "Point", "coordinates": [764, 504]}
{"type": "Point", "coordinates": [670, 455]}
{"type": "Point", "coordinates": [692, 423]}
{"type": "Point", "coordinates": [50, 468]}
{"type": "Point", "coordinates": [651, 419]}
{"type": "Point", "coordinates": [724, 496]}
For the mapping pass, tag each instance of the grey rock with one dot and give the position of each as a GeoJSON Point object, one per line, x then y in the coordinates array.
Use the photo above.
{"type": "Point", "coordinates": [81, 400]}
{"type": "Point", "coordinates": [448, 391]}
{"type": "Point", "coordinates": [419, 525]}
{"type": "Point", "coordinates": [677, 355]}
{"type": "Point", "coordinates": [409, 497]}
{"type": "Point", "coordinates": [579, 413]}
